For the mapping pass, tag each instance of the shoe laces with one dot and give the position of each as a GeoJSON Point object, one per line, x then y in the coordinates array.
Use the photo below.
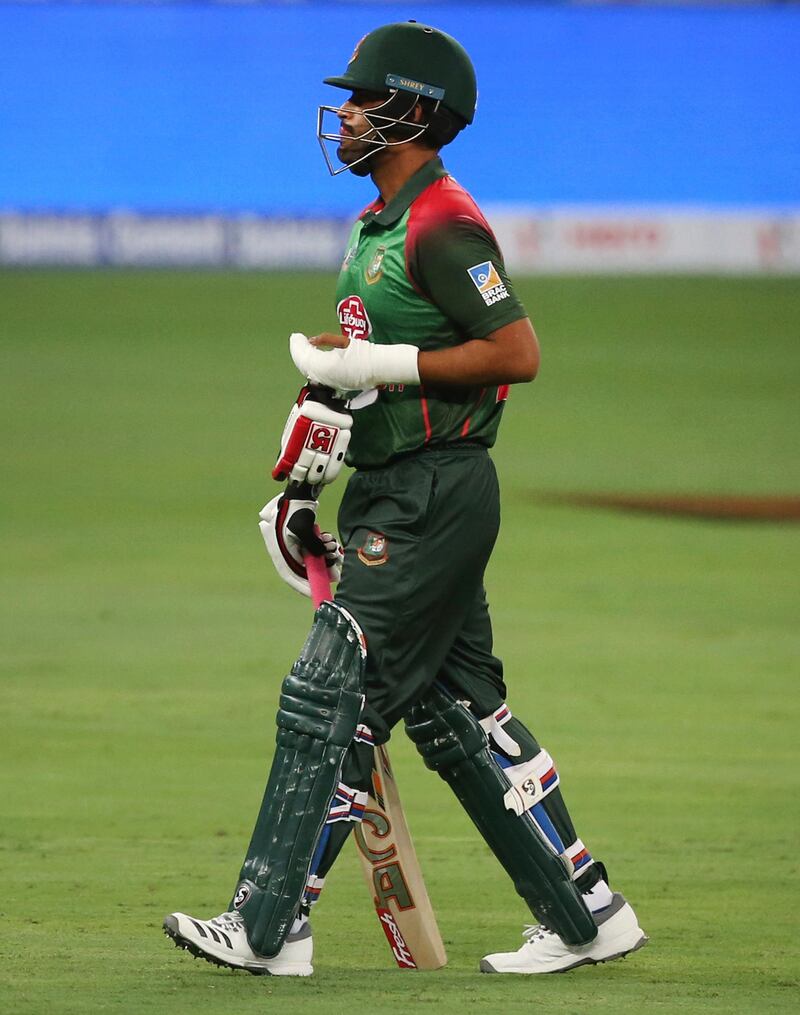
{"type": "Point", "coordinates": [536, 932]}
{"type": "Point", "coordinates": [229, 921]}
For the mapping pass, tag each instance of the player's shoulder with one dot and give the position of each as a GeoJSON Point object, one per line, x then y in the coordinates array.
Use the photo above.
{"type": "Point", "coordinates": [445, 200]}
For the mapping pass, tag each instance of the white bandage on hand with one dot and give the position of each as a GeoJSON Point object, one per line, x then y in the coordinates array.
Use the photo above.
{"type": "Point", "coordinates": [313, 443]}
{"type": "Point", "coordinates": [361, 365]}
{"type": "Point", "coordinates": [280, 521]}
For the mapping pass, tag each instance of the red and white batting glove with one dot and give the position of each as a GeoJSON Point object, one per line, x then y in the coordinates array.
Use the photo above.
{"type": "Point", "coordinates": [288, 525]}
{"type": "Point", "coordinates": [314, 440]}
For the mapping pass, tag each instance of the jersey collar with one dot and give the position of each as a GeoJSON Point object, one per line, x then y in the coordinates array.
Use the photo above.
{"type": "Point", "coordinates": [409, 192]}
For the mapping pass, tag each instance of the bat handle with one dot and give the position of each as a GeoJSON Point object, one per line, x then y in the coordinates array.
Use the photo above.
{"type": "Point", "coordinates": [318, 579]}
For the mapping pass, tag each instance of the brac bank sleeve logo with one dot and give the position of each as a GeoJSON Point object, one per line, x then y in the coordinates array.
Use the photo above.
{"type": "Point", "coordinates": [488, 282]}
{"type": "Point", "coordinates": [484, 276]}
{"type": "Point", "coordinates": [353, 317]}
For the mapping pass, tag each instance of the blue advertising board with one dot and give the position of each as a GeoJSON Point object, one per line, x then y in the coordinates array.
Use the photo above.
{"type": "Point", "coordinates": [187, 108]}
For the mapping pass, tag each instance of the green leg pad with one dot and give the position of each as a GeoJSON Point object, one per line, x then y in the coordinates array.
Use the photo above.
{"type": "Point", "coordinates": [321, 701]}
{"type": "Point", "coordinates": [452, 743]}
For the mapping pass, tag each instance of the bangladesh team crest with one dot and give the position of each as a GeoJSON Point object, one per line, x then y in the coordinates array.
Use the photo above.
{"type": "Point", "coordinates": [374, 550]}
{"type": "Point", "coordinates": [374, 270]}
{"type": "Point", "coordinates": [355, 51]}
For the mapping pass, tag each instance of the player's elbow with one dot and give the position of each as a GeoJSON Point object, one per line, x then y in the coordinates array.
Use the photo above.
{"type": "Point", "coordinates": [518, 350]}
{"type": "Point", "coordinates": [528, 358]}
{"type": "Point", "coordinates": [531, 366]}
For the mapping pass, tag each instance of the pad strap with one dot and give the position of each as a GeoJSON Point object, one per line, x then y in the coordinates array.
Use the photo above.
{"type": "Point", "coordinates": [493, 726]}
{"type": "Point", "coordinates": [580, 859]}
{"type": "Point", "coordinates": [530, 782]}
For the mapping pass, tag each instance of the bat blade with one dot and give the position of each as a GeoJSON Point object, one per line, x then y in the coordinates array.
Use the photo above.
{"type": "Point", "coordinates": [393, 875]}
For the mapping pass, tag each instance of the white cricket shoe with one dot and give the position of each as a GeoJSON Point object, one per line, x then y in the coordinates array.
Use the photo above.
{"type": "Point", "coordinates": [223, 941]}
{"type": "Point", "coordinates": [618, 932]}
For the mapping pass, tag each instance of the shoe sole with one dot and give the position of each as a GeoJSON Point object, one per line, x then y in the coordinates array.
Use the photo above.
{"type": "Point", "coordinates": [171, 930]}
{"type": "Point", "coordinates": [486, 967]}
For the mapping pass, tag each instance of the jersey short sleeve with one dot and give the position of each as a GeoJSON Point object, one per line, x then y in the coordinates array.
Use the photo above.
{"type": "Point", "coordinates": [455, 263]}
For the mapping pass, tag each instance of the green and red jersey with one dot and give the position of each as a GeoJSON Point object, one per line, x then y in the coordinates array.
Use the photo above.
{"type": "Point", "coordinates": [423, 270]}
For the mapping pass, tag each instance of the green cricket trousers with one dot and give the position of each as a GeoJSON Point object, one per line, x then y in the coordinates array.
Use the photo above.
{"type": "Point", "coordinates": [417, 535]}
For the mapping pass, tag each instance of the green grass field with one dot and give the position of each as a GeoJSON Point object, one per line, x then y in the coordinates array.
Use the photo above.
{"type": "Point", "coordinates": [144, 637]}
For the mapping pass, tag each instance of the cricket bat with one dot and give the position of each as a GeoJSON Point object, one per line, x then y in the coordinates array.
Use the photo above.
{"type": "Point", "coordinates": [386, 851]}
{"type": "Point", "coordinates": [393, 875]}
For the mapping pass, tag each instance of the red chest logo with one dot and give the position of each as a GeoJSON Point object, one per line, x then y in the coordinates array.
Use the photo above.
{"type": "Point", "coordinates": [353, 317]}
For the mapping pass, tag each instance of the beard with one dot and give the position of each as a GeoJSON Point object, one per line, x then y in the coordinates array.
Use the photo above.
{"type": "Point", "coordinates": [360, 154]}
{"type": "Point", "coordinates": [363, 168]}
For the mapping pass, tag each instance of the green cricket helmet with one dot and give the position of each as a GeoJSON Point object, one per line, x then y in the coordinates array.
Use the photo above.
{"type": "Point", "coordinates": [413, 58]}
{"type": "Point", "coordinates": [408, 62]}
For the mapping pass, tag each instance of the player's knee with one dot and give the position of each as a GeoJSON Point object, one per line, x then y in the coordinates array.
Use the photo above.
{"type": "Point", "coordinates": [444, 731]}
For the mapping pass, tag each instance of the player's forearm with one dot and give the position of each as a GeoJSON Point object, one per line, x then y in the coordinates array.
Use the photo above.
{"type": "Point", "coordinates": [507, 356]}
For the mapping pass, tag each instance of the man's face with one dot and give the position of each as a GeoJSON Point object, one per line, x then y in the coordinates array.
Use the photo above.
{"type": "Point", "coordinates": [356, 131]}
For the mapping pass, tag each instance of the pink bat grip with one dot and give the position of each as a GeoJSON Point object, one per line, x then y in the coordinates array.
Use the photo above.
{"type": "Point", "coordinates": [318, 579]}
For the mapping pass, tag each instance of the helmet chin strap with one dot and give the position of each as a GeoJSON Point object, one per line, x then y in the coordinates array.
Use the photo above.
{"type": "Point", "coordinates": [380, 125]}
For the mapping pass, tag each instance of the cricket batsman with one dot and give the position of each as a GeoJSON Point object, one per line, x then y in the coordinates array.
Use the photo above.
{"type": "Point", "coordinates": [410, 391]}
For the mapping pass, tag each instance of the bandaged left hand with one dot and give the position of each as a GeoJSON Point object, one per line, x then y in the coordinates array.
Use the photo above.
{"type": "Point", "coordinates": [358, 366]}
